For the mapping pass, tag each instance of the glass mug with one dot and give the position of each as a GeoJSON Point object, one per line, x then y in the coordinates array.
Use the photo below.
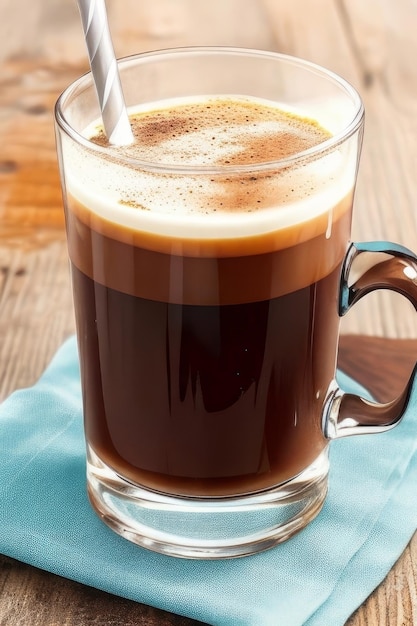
{"type": "Point", "coordinates": [208, 343]}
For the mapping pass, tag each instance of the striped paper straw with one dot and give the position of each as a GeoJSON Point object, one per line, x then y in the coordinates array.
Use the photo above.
{"type": "Point", "coordinates": [105, 71]}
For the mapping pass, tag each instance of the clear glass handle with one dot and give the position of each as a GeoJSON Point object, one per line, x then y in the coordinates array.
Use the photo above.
{"type": "Point", "coordinates": [367, 267]}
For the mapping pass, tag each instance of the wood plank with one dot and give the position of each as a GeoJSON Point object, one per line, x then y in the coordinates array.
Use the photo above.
{"type": "Point", "coordinates": [164, 24]}
{"type": "Point", "coordinates": [36, 312]}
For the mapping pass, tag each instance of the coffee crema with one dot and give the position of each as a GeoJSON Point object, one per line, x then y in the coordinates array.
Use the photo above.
{"type": "Point", "coordinates": [216, 131]}
{"type": "Point", "coordinates": [206, 299]}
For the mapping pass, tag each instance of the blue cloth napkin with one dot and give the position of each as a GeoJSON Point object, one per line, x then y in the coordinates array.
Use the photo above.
{"type": "Point", "coordinates": [317, 578]}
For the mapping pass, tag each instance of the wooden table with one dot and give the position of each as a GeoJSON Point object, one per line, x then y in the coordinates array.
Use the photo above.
{"type": "Point", "coordinates": [372, 43]}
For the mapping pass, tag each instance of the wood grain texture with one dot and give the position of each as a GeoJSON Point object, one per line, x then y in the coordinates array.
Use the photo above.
{"type": "Point", "coordinates": [371, 43]}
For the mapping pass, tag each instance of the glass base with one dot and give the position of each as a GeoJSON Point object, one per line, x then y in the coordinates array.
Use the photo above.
{"type": "Point", "coordinates": [207, 528]}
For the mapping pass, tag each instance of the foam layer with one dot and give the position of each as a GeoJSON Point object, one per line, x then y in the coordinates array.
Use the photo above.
{"type": "Point", "coordinates": [221, 131]}
{"type": "Point", "coordinates": [121, 189]}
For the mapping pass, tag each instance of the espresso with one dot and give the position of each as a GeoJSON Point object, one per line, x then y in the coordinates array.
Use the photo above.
{"type": "Point", "coordinates": [208, 325]}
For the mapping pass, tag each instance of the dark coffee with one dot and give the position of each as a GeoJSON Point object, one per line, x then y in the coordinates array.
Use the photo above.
{"type": "Point", "coordinates": [205, 362]}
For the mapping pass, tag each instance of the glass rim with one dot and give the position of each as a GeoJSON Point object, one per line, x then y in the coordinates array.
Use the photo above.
{"type": "Point", "coordinates": [85, 81]}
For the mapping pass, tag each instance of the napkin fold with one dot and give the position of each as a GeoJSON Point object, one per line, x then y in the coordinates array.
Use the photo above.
{"type": "Point", "coordinates": [318, 577]}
